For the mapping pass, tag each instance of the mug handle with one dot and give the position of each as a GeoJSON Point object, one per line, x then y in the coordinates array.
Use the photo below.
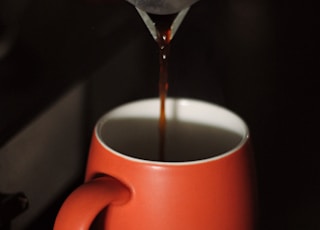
{"type": "Point", "coordinates": [84, 204]}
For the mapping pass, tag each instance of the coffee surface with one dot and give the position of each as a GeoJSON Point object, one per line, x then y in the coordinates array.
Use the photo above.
{"type": "Point", "coordinates": [184, 141]}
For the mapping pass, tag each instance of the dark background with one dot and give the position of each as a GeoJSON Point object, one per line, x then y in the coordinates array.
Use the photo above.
{"type": "Point", "coordinates": [258, 58]}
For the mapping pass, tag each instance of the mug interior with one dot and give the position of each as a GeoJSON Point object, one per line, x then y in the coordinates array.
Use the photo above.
{"type": "Point", "coordinates": [195, 130]}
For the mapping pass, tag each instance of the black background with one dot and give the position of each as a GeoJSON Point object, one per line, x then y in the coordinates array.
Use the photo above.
{"type": "Point", "coordinates": [258, 58]}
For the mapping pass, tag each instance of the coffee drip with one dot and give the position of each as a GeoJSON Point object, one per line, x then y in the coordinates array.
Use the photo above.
{"type": "Point", "coordinates": [163, 28]}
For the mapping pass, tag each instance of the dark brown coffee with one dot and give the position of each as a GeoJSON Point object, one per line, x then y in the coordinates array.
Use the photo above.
{"type": "Point", "coordinates": [185, 141]}
{"type": "Point", "coordinates": [163, 26]}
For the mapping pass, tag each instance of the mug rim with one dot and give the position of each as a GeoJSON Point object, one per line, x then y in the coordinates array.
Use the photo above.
{"type": "Point", "coordinates": [244, 136]}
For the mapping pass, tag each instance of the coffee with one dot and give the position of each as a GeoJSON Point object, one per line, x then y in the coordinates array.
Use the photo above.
{"type": "Point", "coordinates": [163, 27]}
{"type": "Point", "coordinates": [185, 141]}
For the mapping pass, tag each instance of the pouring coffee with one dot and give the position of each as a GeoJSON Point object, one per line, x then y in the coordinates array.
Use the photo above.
{"type": "Point", "coordinates": [196, 175]}
{"type": "Point", "coordinates": [162, 28]}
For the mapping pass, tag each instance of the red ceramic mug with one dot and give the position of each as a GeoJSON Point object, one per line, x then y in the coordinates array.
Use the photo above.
{"type": "Point", "coordinates": [204, 182]}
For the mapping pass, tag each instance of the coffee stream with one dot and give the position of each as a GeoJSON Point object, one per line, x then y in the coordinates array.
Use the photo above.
{"type": "Point", "coordinates": [163, 26]}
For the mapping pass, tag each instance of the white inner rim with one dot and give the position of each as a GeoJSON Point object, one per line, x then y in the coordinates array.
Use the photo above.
{"type": "Point", "coordinates": [181, 109]}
